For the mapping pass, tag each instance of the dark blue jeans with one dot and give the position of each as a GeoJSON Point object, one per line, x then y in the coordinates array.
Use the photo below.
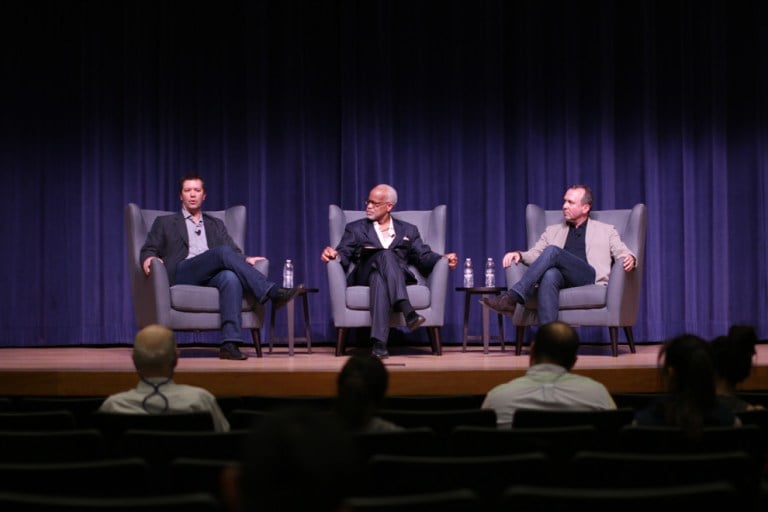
{"type": "Point", "coordinates": [553, 270]}
{"type": "Point", "coordinates": [228, 271]}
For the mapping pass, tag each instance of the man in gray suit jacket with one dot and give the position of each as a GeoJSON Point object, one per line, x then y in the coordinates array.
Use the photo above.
{"type": "Point", "coordinates": [575, 252]}
{"type": "Point", "coordinates": [381, 248]}
{"type": "Point", "coordinates": [197, 249]}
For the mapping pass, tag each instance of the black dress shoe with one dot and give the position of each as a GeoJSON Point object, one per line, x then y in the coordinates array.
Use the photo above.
{"type": "Point", "coordinates": [379, 350]}
{"type": "Point", "coordinates": [502, 303]}
{"type": "Point", "coordinates": [414, 322]}
{"type": "Point", "coordinates": [283, 296]}
{"type": "Point", "coordinates": [229, 350]}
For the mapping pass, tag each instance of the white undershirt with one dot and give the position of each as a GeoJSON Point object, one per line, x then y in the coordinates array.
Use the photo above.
{"type": "Point", "coordinates": [387, 235]}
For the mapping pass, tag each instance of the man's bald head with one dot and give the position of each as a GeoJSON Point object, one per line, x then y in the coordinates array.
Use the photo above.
{"type": "Point", "coordinates": [154, 351]}
{"type": "Point", "coordinates": [555, 343]}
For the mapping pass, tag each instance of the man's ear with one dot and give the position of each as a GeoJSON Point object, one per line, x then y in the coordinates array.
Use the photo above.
{"type": "Point", "coordinates": [230, 487]}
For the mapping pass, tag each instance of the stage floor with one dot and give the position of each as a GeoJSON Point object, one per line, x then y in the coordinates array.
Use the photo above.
{"type": "Point", "coordinates": [413, 370]}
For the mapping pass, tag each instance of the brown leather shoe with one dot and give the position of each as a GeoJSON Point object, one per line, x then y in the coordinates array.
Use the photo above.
{"type": "Point", "coordinates": [502, 303]}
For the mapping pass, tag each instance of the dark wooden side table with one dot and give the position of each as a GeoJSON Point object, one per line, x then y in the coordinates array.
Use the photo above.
{"type": "Point", "coordinates": [483, 291]}
{"type": "Point", "coordinates": [290, 310]}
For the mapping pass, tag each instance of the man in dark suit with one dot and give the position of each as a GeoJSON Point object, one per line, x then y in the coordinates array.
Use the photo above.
{"type": "Point", "coordinates": [197, 249]}
{"type": "Point", "coordinates": [381, 248]}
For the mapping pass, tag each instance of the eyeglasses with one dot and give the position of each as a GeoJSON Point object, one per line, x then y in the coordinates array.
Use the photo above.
{"type": "Point", "coordinates": [374, 203]}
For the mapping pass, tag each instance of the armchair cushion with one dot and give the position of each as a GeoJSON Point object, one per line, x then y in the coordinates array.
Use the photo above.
{"type": "Point", "coordinates": [185, 297]}
{"type": "Point", "coordinates": [358, 297]}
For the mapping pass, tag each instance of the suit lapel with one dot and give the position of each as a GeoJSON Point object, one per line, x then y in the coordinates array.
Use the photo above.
{"type": "Point", "coordinates": [399, 232]}
{"type": "Point", "coordinates": [371, 235]}
{"type": "Point", "coordinates": [181, 226]}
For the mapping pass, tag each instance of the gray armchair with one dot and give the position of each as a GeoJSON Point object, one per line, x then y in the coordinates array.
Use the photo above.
{"type": "Point", "coordinates": [350, 304]}
{"type": "Point", "coordinates": [614, 305]}
{"type": "Point", "coordinates": [184, 307]}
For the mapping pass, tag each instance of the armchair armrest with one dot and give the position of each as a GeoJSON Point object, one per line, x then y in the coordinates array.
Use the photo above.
{"type": "Point", "coordinates": [262, 266]}
{"type": "Point", "coordinates": [623, 294]}
{"type": "Point", "coordinates": [438, 287]}
{"type": "Point", "coordinates": [514, 273]}
{"type": "Point", "coordinates": [337, 285]}
{"type": "Point", "coordinates": [152, 295]}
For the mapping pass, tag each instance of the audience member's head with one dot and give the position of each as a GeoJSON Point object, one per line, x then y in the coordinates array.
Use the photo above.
{"type": "Point", "coordinates": [295, 461]}
{"type": "Point", "coordinates": [688, 370]}
{"type": "Point", "coordinates": [555, 343]}
{"type": "Point", "coordinates": [154, 352]}
{"type": "Point", "coordinates": [733, 354]}
{"type": "Point", "coordinates": [361, 388]}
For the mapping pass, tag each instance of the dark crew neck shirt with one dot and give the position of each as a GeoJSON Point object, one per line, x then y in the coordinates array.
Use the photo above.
{"type": "Point", "coordinates": [575, 243]}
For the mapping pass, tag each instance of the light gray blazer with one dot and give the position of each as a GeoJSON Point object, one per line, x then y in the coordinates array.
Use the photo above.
{"type": "Point", "coordinates": [603, 245]}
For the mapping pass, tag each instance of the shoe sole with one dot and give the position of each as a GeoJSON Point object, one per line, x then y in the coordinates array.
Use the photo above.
{"type": "Point", "coordinates": [232, 357]}
{"type": "Point", "coordinates": [417, 324]}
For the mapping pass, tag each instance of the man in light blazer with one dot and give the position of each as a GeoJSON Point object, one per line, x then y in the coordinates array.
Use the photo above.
{"type": "Point", "coordinates": [575, 252]}
{"type": "Point", "coordinates": [197, 249]}
{"type": "Point", "coordinates": [381, 248]}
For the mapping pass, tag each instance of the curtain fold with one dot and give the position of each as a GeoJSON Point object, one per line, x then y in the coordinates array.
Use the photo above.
{"type": "Point", "coordinates": [289, 106]}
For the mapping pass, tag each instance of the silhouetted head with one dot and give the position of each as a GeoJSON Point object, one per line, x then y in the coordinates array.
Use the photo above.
{"type": "Point", "coordinates": [297, 461]}
{"type": "Point", "coordinates": [688, 370]}
{"type": "Point", "coordinates": [733, 354]}
{"type": "Point", "coordinates": [361, 388]}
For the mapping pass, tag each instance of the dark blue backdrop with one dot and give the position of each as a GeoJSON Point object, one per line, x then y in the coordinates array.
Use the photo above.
{"type": "Point", "coordinates": [287, 106]}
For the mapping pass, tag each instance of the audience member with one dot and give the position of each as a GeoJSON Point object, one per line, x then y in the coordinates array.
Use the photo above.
{"type": "Point", "coordinates": [688, 371]}
{"type": "Point", "coordinates": [733, 355]}
{"type": "Point", "coordinates": [361, 388]}
{"type": "Point", "coordinates": [295, 461]}
{"type": "Point", "coordinates": [155, 356]}
{"type": "Point", "coordinates": [549, 383]}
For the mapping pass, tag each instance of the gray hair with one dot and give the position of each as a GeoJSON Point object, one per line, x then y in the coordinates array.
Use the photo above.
{"type": "Point", "coordinates": [391, 193]}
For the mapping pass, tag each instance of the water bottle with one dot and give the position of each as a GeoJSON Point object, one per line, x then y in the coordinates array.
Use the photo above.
{"type": "Point", "coordinates": [288, 274]}
{"type": "Point", "coordinates": [490, 273]}
{"type": "Point", "coordinates": [469, 276]}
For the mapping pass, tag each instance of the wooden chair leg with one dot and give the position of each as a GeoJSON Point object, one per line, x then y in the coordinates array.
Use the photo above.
{"type": "Point", "coordinates": [340, 333]}
{"type": "Point", "coordinates": [434, 338]}
{"type": "Point", "coordinates": [256, 336]}
{"type": "Point", "coordinates": [614, 334]}
{"type": "Point", "coordinates": [630, 338]}
{"type": "Point", "coordinates": [519, 335]}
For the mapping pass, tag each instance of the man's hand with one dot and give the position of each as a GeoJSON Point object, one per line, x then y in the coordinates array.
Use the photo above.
{"type": "Point", "coordinates": [148, 262]}
{"type": "Point", "coordinates": [453, 260]}
{"type": "Point", "coordinates": [252, 260]}
{"type": "Point", "coordinates": [510, 258]}
{"type": "Point", "coordinates": [329, 253]}
{"type": "Point", "coordinates": [629, 263]}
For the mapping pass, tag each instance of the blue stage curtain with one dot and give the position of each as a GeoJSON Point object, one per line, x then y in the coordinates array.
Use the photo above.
{"type": "Point", "coordinates": [287, 106]}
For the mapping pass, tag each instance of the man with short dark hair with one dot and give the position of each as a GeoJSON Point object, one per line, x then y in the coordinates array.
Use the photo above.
{"type": "Point", "coordinates": [575, 252]}
{"type": "Point", "coordinates": [197, 249]}
{"type": "Point", "coordinates": [548, 383]}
